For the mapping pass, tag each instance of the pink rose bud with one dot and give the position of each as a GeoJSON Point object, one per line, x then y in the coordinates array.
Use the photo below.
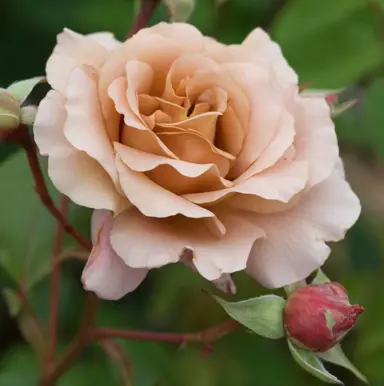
{"type": "Point", "coordinates": [318, 316]}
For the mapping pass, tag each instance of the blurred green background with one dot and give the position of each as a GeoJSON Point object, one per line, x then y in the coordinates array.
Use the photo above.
{"type": "Point", "coordinates": [332, 44]}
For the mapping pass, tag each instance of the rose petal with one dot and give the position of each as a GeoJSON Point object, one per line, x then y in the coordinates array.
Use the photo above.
{"type": "Point", "coordinates": [135, 133]}
{"type": "Point", "coordinates": [295, 242]}
{"type": "Point", "coordinates": [139, 80]}
{"type": "Point", "coordinates": [73, 50]}
{"type": "Point", "coordinates": [226, 284]}
{"type": "Point", "coordinates": [170, 173]}
{"type": "Point", "coordinates": [263, 47]}
{"type": "Point", "coordinates": [192, 147]}
{"type": "Point", "coordinates": [48, 127]}
{"type": "Point", "coordinates": [216, 97]}
{"type": "Point", "coordinates": [279, 184]}
{"type": "Point", "coordinates": [84, 127]}
{"type": "Point", "coordinates": [153, 200]}
{"type": "Point", "coordinates": [73, 172]}
{"type": "Point", "coordinates": [184, 33]}
{"type": "Point", "coordinates": [316, 139]}
{"type": "Point", "coordinates": [229, 133]}
{"type": "Point", "coordinates": [283, 139]}
{"type": "Point", "coordinates": [147, 49]}
{"type": "Point", "coordinates": [169, 237]}
{"type": "Point", "coordinates": [220, 78]}
{"type": "Point", "coordinates": [105, 272]}
{"type": "Point", "coordinates": [85, 182]}
{"type": "Point", "coordinates": [205, 124]}
{"type": "Point", "coordinates": [106, 39]}
{"type": "Point", "coordinates": [182, 69]}
{"type": "Point", "coordinates": [266, 106]}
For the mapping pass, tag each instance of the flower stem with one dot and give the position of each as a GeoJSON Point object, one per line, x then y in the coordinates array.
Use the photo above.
{"type": "Point", "coordinates": [41, 189]}
{"type": "Point", "coordinates": [55, 285]}
{"type": "Point", "coordinates": [78, 344]}
{"type": "Point", "coordinates": [147, 8]}
{"type": "Point", "coordinates": [208, 335]}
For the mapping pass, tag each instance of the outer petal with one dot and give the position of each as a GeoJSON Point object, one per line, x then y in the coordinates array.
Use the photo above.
{"type": "Point", "coordinates": [73, 50]}
{"type": "Point", "coordinates": [267, 113]}
{"type": "Point", "coordinates": [105, 273]}
{"type": "Point", "coordinates": [184, 33]}
{"type": "Point", "coordinates": [295, 241]}
{"type": "Point", "coordinates": [106, 39]}
{"type": "Point", "coordinates": [73, 172]}
{"type": "Point", "coordinates": [149, 242]}
{"type": "Point", "coordinates": [85, 182]}
{"type": "Point", "coordinates": [283, 139]}
{"type": "Point", "coordinates": [315, 139]}
{"type": "Point", "coordinates": [48, 127]}
{"type": "Point", "coordinates": [84, 127]}
{"type": "Point", "coordinates": [264, 48]}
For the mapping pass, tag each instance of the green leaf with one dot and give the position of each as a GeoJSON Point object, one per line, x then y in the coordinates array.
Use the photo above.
{"type": "Point", "coordinates": [336, 42]}
{"type": "Point", "coordinates": [311, 363]}
{"type": "Point", "coordinates": [263, 315]}
{"type": "Point", "coordinates": [336, 356]}
{"type": "Point", "coordinates": [23, 88]}
{"type": "Point", "coordinates": [370, 115]}
{"type": "Point", "coordinates": [320, 278]}
{"type": "Point", "coordinates": [13, 301]}
{"type": "Point", "coordinates": [25, 238]}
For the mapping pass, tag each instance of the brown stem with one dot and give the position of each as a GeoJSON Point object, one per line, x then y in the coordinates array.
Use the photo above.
{"type": "Point", "coordinates": [55, 285]}
{"type": "Point", "coordinates": [78, 344]}
{"type": "Point", "coordinates": [33, 328]}
{"type": "Point", "coordinates": [41, 189]}
{"type": "Point", "coordinates": [208, 335]}
{"type": "Point", "coordinates": [147, 8]}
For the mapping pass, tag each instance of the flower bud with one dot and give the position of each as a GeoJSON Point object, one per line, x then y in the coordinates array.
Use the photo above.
{"type": "Point", "coordinates": [180, 10]}
{"type": "Point", "coordinates": [9, 111]}
{"type": "Point", "coordinates": [318, 316]}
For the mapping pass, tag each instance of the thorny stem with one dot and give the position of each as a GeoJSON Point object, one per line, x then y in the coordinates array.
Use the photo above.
{"type": "Point", "coordinates": [88, 333]}
{"type": "Point", "coordinates": [34, 324]}
{"type": "Point", "coordinates": [206, 336]}
{"type": "Point", "coordinates": [41, 189]}
{"type": "Point", "coordinates": [78, 344]}
{"type": "Point", "coordinates": [55, 285]}
{"type": "Point", "coordinates": [147, 7]}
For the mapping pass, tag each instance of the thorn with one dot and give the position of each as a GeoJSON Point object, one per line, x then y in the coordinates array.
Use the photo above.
{"type": "Point", "coordinates": [206, 351]}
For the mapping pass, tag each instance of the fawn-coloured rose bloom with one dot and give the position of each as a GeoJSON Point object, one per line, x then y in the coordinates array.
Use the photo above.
{"type": "Point", "coordinates": [193, 150]}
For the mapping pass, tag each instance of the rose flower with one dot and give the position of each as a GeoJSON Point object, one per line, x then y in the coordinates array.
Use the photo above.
{"type": "Point", "coordinates": [192, 149]}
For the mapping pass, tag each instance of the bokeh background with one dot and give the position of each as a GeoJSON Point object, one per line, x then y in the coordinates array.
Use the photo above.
{"type": "Point", "coordinates": [330, 43]}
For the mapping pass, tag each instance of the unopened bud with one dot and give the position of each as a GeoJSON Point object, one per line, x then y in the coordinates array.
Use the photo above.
{"type": "Point", "coordinates": [318, 316]}
{"type": "Point", "coordinates": [28, 115]}
{"type": "Point", "coordinates": [332, 97]}
{"type": "Point", "coordinates": [9, 111]}
{"type": "Point", "coordinates": [180, 10]}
